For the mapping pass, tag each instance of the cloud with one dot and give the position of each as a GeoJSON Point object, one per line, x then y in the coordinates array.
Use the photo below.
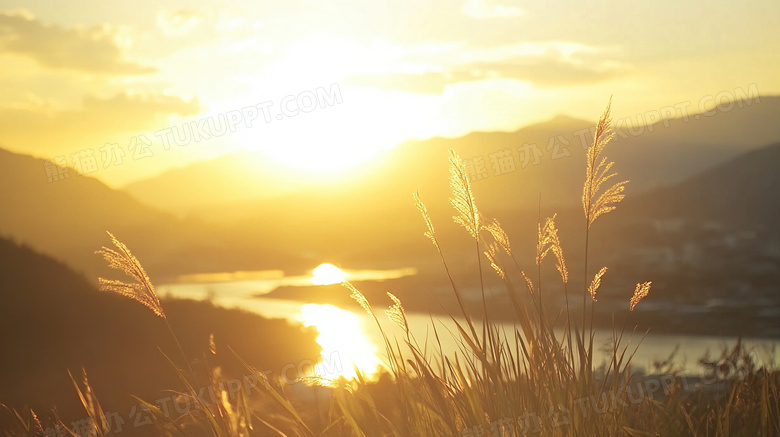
{"type": "Point", "coordinates": [138, 107]}
{"type": "Point", "coordinates": [552, 64]}
{"type": "Point", "coordinates": [94, 50]}
{"type": "Point", "coordinates": [424, 83]}
{"type": "Point", "coordinates": [548, 72]}
{"type": "Point", "coordinates": [97, 120]}
{"type": "Point", "coordinates": [177, 23]}
{"type": "Point", "coordinates": [543, 64]}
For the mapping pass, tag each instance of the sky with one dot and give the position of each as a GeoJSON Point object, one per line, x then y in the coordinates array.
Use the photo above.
{"type": "Point", "coordinates": [127, 89]}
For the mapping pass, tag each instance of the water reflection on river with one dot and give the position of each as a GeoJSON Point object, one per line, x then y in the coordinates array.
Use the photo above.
{"type": "Point", "coordinates": [357, 342]}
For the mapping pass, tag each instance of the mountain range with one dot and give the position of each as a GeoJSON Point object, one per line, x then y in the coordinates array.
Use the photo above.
{"type": "Point", "coordinates": [240, 212]}
{"type": "Point", "coordinates": [656, 155]}
{"type": "Point", "coordinates": [68, 219]}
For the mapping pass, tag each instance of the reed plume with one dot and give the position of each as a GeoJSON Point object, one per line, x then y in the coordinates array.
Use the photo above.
{"type": "Point", "coordinates": [38, 426]}
{"type": "Point", "coordinates": [596, 283]}
{"type": "Point", "coordinates": [396, 313]}
{"type": "Point", "coordinates": [639, 293]}
{"type": "Point", "coordinates": [528, 282]}
{"type": "Point", "coordinates": [141, 290]}
{"type": "Point", "coordinates": [548, 241]}
{"type": "Point", "coordinates": [597, 174]}
{"type": "Point", "coordinates": [500, 239]}
{"type": "Point", "coordinates": [430, 233]}
{"type": "Point", "coordinates": [498, 233]}
{"type": "Point", "coordinates": [490, 253]}
{"type": "Point", "coordinates": [462, 197]}
{"type": "Point", "coordinates": [358, 297]}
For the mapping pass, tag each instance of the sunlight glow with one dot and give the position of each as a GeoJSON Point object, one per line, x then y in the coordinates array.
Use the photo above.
{"type": "Point", "coordinates": [319, 159]}
{"type": "Point", "coordinates": [341, 336]}
{"type": "Point", "coordinates": [327, 274]}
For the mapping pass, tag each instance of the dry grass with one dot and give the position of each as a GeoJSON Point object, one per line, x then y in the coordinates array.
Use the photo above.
{"type": "Point", "coordinates": [640, 293]}
{"type": "Point", "coordinates": [597, 174]}
{"type": "Point", "coordinates": [596, 283]}
{"type": "Point", "coordinates": [141, 289]}
{"type": "Point", "coordinates": [462, 197]}
{"type": "Point", "coordinates": [497, 379]}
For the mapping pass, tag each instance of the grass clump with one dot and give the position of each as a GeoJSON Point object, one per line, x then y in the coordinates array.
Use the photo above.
{"type": "Point", "coordinates": [535, 379]}
{"type": "Point", "coordinates": [530, 379]}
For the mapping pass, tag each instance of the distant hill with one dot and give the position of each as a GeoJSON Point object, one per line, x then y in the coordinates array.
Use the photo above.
{"type": "Point", "coordinates": [52, 320]}
{"type": "Point", "coordinates": [740, 191]}
{"type": "Point", "coordinates": [67, 219]}
{"type": "Point", "coordinates": [372, 216]}
{"type": "Point", "coordinates": [547, 161]}
{"type": "Point", "coordinates": [262, 217]}
{"type": "Point", "coordinates": [227, 180]}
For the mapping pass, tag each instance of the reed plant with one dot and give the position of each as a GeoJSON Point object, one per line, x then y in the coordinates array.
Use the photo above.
{"type": "Point", "coordinates": [530, 378]}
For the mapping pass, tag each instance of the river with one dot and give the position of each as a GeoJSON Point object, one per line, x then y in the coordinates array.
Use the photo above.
{"type": "Point", "coordinates": [354, 339]}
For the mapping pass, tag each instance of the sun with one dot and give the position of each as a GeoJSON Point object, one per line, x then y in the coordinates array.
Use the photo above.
{"type": "Point", "coordinates": [321, 150]}
{"type": "Point", "coordinates": [327, 274]}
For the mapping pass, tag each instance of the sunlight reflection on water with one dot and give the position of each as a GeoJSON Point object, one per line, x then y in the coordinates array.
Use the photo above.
{"type": "Point", "coordinates": [356, 339]}
{"type": "Point", "coordinates": [198, 286]}
{"type": "Point", "coordinates": [341, 331]}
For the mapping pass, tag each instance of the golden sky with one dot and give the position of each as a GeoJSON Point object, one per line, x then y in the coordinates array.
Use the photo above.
{"type": "Point", "coordinates": [356, 76]}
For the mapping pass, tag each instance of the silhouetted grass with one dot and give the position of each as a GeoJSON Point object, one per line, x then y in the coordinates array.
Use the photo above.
{"type": "Point", "coordinates": [524, 381]}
